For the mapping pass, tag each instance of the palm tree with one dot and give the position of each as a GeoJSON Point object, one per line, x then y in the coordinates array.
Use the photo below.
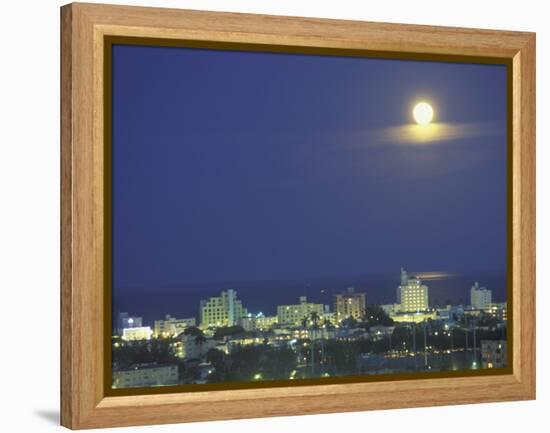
{"type": "Point", "coordinates": [314, 316]}
{"type": "Point", "coordinates": [328, 324]}
{"type": "Point", "coordinates": [315, 319]}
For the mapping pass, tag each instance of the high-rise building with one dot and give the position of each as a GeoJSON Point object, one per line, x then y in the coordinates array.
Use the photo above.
{"type": "Point", "coordinates": [171, 326]}
{"type": "Point", "coordinates": [412, 295]}
{"type": "Point", "coordinates": [350, 304]}
{"type": "Point", "coordinates": [296, 313]}
{"type": "Point", "coordinates": [225, 310]}
{"type": "Point", "coordinates": [480, 297]}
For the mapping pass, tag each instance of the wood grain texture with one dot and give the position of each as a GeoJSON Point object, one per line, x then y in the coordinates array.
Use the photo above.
{"type": "Point", "coordinates": [524, 215]}
{"type": "Point", "coordinates": [67, 394]}
{"type": "Point", "coordinates": [83, 404]}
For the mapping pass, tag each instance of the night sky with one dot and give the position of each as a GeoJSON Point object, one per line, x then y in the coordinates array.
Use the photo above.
{"type": "Point", "coordinates": [232, 166]}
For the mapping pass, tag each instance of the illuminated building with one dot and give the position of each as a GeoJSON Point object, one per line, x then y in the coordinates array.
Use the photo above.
{"type": "Point", "coordinates": [265, 322]}
{"type": "Point", "coordinates": [499, 311]}
{"type": "Point", "coordinates": [192, 346]}
{"type": "Point", "coordinates": [296, 313]}
{"type": "Point", "coordinates": [249, 323]}
{"type": "Point", "coordinates": [493, 353]}
{"type": "Point", "coordinates": [133, 334]}
{"type": "Point", "coordinates": [480, 297]}
{"type": "Point", "coordinates": [412, 295]}
{"type": "Point", "coordinates": [258, 322]}
{"type": "Point", "coordinates": [413, 317]}
{"type": "Point", "coordinates": [171, 326]}
{"type": "Point", "coordinates": [225, 310]}
{"type": "Point", "coordinates": [235, 342]}
{"type": "Point", "coordinates": [124, 320]}
{"type": "Point", "coordinates": [146, 375]}
{"type": "Point", "coordinates": [329, 316]}
{"type": "Point", "coordinates": [349, 304]}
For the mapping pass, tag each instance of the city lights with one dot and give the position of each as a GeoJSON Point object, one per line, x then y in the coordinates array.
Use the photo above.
{"type": "Point", "coordinates": [309, 339]}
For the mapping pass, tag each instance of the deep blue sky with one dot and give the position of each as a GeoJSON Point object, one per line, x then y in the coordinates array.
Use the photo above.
{"type": "Point", "coordinates": [232, 166]}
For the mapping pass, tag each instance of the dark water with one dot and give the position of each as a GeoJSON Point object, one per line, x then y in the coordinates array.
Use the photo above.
{"type": "Point", "coordinates": [264, 296]}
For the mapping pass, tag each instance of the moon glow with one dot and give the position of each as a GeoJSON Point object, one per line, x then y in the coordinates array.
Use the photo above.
{"type": "Point", "coordinates": [423, 113]}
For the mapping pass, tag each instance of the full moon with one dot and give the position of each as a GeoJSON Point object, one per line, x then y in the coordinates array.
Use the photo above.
{"type": "Point", "coordinates": [423, 113]}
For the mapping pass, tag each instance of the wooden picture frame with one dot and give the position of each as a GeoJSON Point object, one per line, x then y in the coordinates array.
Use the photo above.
{"type": "Point", "coordinates": [85, 28]}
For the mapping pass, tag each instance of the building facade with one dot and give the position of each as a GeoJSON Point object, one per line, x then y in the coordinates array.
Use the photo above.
{"type": "Point", "coordinates": [258, 322]}
{"type": "Point", "coordinates": [350, 304]}
{"type": "Point", "coordinates": [493, 354]}
{"type": "Point", "coordinates": [480, 297]}
{"type": "Point", "coordinates": [146, 376]}
{"type": "Point", "coordinates": [499, 310]}
{"type": "Point", "coordinates": [413, 317]}
{"type": "Point", "coordinates": [134, 334]}
{"type": "Point", "coordinates": [412, 295]}
{"type": "Point", "coordinates": [296, 313]}
{"type": "Point", "coordinates": [171, 326]}
{"type": "Point", "coordinates": [193, 347]}
{"type": "Point", "coordinates": [224, 310]}
{"type": "Point", "coordinates": [124, 321]}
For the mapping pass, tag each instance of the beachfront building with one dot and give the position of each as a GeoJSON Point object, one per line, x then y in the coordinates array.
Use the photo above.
{"type": "Point", "coordinates": [295, 314]}
{"type": "Point", "coordinates": [193, 346]}
{"type": "Point", "coordinates": [350, 304]}
{"type": "Point", "coordinates": [224, 310]}
{"type": "Point", "coordinates": [171, 326]}
{"type": "Point", "coordinates": [124, 321]}
{"type": "Point", "coordinates": [480, 297]}
{"type": "Point", "coordinates": [135, 334]}
{"type": "Point", "coordinates": [412, 295]}
{"type": "Point", "coordinates": [413, 317]}
{"type": "Point", "coordinates": [258, 322]}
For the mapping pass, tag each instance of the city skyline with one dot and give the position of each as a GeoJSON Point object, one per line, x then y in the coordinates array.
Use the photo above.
{"type": "Point", "coordinates": [480, 297]}
{"type": "Point", "coordinates": [306, 338]}
{"type": "Point", "coordinates": [267, 206]}
{"type": "Point", "coordinates": [443, 286]}
{"type": "Point", "coordinates": [297, 183]}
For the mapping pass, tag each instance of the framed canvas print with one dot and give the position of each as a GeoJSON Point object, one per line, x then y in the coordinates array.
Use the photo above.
{"type": "Point", "coordinates": [270, 216]}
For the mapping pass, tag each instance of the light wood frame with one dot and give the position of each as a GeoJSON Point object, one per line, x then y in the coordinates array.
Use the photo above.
{"type": "Point", "coordinates": [83, 400]}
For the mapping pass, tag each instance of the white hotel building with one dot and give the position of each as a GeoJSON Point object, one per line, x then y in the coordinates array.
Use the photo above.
{"type": "Point", "coordinates": [294, 314]}
{"type": "Point", "coordinates": [171, 326]}
{"type": "Point", "coordinates": [412, 295]}
{"type": "Point", "coordinates": [138, 333]}
{"type": "Point", "coordinates": [480, 297]}
{"type": "Point", "coordinates": [224, 310]}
